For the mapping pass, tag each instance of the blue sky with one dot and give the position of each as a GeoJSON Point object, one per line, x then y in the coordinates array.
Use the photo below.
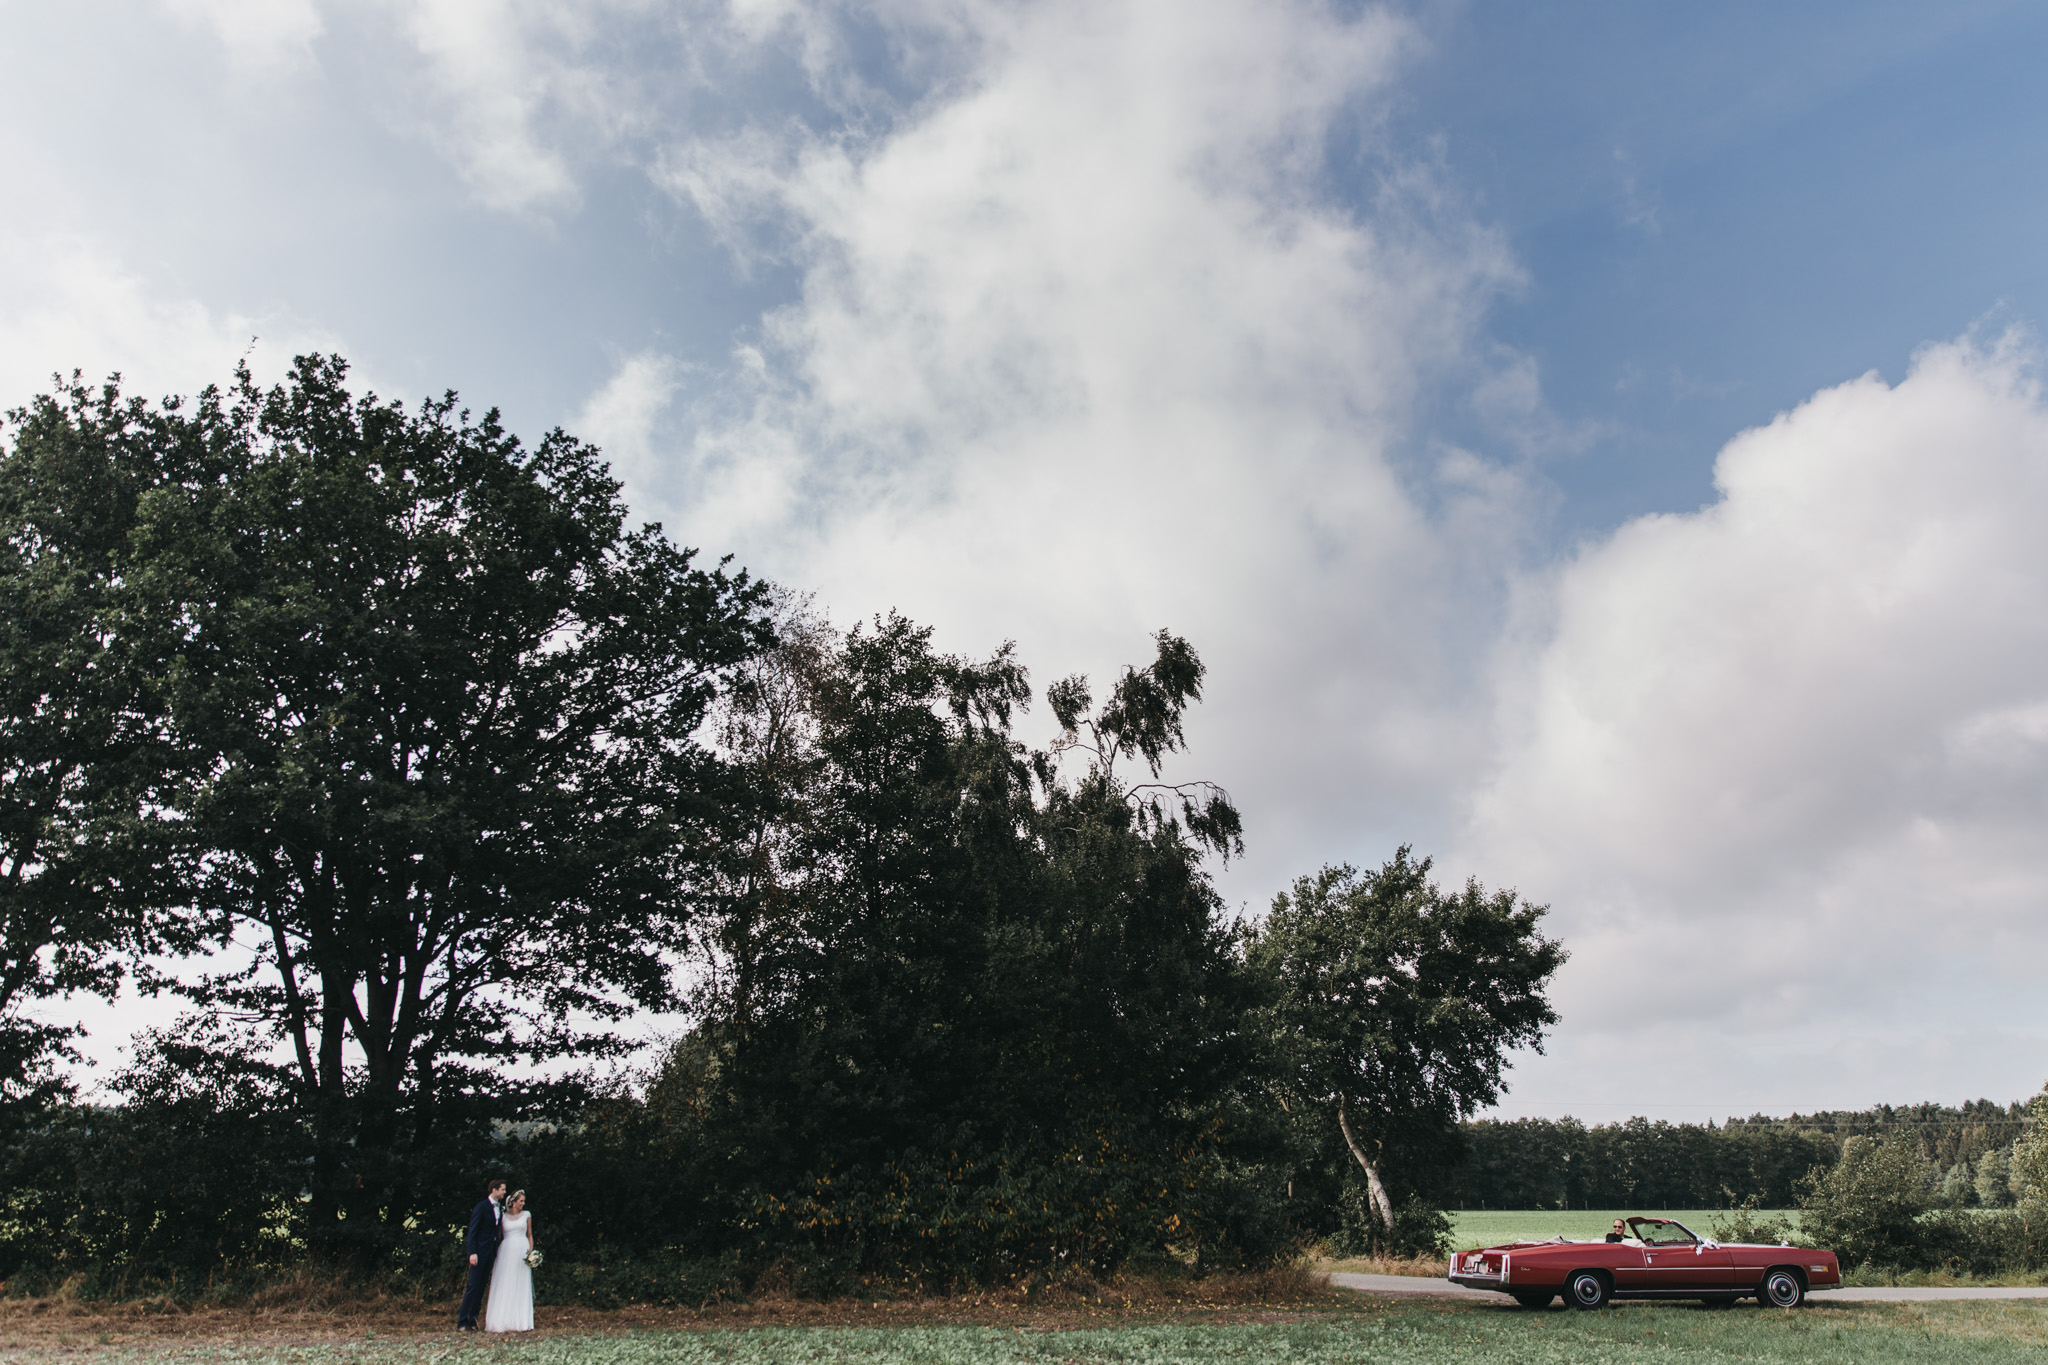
{"type": "Point", "coordinates": [1723, 208]}
{"type": "Point", "coordinates": [1478, 386]}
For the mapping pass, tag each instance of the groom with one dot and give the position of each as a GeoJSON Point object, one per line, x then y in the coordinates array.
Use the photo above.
{"type": "Point", "coordinates": [486, 1226]}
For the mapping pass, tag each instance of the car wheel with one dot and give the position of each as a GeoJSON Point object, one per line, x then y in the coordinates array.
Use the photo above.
{"type": "Point", "coordinates": [1535, 1298]}
{"type": "Point", "coordinates": [1780, 1289]}
{"type": "Point", "coordinates": [1586, 1289]}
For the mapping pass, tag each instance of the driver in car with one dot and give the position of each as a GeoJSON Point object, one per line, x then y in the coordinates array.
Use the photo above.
{"type": "Point", "coordinates": [1618, 1233]}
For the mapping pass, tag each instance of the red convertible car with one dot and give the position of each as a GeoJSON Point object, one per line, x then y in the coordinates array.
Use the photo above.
{"type": "Point", "coordinates": [1658, 1259]}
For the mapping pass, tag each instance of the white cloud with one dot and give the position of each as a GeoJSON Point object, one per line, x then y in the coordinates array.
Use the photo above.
{"type": "Point", "coordinates": [1085, 348]}
{"type": "Point", "coordinates": [1780, 763]}
{"type": "Point", "coordinates": [494, 65]}
{"type": "Point", "coordinates": [261, 37]}
{"type": "Point", "coordinates": [69, 302]}
{"type": "Point", "coordinates": [527, 96]}
{"type": "Point", "coordinates": [625, 419]}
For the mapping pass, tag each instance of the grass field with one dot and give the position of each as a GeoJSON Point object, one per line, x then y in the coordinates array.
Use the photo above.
{"type": "Point", "coordinates": [1367, 1333]}
{"type": "Point", "coordinates": [1485, 1228]}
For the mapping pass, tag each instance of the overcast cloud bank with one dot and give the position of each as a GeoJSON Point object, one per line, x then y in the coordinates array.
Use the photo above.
{"type": "Point", "coordinates": [1782, 763]}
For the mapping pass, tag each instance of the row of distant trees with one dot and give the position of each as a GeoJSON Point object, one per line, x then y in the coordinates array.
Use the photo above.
{"type": "Point", "coordinates": [1962, 1189]}
{"type": "Point", "coordinates": [1965, 1156]}
{"type": "Point", "coordinates": [1890, 1201]}
{"type": "Point", "coordinates": [384, 743]}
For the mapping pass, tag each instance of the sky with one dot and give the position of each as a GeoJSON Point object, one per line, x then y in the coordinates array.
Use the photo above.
{"type": "Point", "coordinates": [1597, 444]}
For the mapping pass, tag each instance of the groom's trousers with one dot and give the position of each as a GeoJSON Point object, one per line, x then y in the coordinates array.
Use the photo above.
{"type": "Point", "coordinates": [473, 1297]}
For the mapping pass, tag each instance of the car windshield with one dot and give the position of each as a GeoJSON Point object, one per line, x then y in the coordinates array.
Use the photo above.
{"type": "Point", "coordinates": [1661, 1232]}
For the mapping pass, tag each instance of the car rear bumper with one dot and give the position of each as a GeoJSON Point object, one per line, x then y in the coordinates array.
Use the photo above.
{"type": "Point", "coordinates": [1478, 1281]}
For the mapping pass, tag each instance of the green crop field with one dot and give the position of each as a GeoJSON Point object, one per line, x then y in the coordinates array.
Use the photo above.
{"type": "Point", "coordinates": [1487, 1227]}
{"type": "Point", "coordinates": [1383, 1334]}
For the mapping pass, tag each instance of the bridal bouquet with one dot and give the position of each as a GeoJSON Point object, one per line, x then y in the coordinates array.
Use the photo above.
{"type": "Point", "coordinates": [533, 1257]}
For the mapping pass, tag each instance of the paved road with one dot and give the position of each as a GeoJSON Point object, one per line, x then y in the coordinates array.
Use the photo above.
{"type": "Point", "coordinates": [1413, 1286]}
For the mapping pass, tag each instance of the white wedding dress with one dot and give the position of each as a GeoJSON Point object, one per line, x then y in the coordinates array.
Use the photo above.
{"type": "Point", "coordinates": [511, 1304]}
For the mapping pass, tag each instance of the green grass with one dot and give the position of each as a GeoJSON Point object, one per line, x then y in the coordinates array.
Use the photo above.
{"type": "Point", "coordinates": [1384, 1334]}
{"type": "Point", "coordinates": [1487, 1227]}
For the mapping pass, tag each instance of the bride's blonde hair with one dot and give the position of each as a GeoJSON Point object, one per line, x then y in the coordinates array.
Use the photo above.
{"type": "Point", "coordinates": [514, 1197]}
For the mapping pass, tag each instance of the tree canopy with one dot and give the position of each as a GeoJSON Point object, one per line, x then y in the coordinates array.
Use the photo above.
{"type": "Point", "coordinates": [431, 714]}
{"type": "Point", "coordinates": [82, 745]}
{"type": "Point", "coordinates": [955, 979]}
{"type": "Point", "coordinates": [441, 775]}
{"type": "Point", "coordinates": [1394, 1006]}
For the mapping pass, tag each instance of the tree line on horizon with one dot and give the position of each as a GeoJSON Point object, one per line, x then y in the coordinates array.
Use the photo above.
{"type": "Point", "coordinates": [1926, 1187]}
{"type": "Point", "coordinates": [1966, 1154]}
{"type": "Point", "coordinates": [382, 742]}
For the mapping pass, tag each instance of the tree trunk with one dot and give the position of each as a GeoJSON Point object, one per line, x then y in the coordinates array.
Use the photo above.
{"type": "Point", "coordinates": [1378, 1205]}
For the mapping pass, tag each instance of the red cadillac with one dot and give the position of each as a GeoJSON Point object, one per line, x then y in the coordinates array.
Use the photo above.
{"type": "Point", "coordinates": [1656, 1259]}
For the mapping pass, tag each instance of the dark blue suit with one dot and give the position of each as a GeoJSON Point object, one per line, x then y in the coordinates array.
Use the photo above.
{"type": "Point", "coordinates": [485, 1228]}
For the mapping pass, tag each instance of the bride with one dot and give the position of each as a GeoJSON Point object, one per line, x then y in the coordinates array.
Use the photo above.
{"type": "Point", "coordinates": [511, 1303]}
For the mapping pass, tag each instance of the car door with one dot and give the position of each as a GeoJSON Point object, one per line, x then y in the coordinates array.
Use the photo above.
{"type": "Point", "coordinates": [1624, 1260]}
{"type": "Point", "coordinates": [1677, 1262]}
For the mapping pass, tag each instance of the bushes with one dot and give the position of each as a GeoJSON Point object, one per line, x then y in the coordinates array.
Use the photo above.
{"type": "Point", "coordinates": [1874, 1209]}
{"type": "Point", "coordinates": [191, 1178]}
{"type": "Point", "coordinates": [195, 1187]}
{"type": "Point", "coordinates": [1867, 1209]}
{"type": "Point", "coordinates": [1744, 1225]}
{"type": "Point", "coordinates": [610, 1281]}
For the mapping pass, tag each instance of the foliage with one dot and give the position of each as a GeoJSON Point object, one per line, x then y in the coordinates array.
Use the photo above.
{"type": "Point", "coordinates": [1562, 1163]}
{"type": "Point", "coordinates": [192, 1174]}
{"type": "Point", "coordinates": [988, 1031]}
{"type": "Point", "coordinates": [446, 770]}
{"type": "Point", "coordinates": [1746, 1224]}
{"type": "Point", "coordinates": [432, 711]}
{"type": "Point", "coordinates": [1945, 1134]}
{"type": "Point", "coordinates": [1992, 1183]}
{"type": "Point", "coordinates": [1393, 1008]}
{"type": "Point", "coordinates": [1639, 1163]}
{"type": "Point", "coordinates": [2027, 1174]}
{"type": "Point", "coordinates": [82, 750]}
{"type": "Point", "coordinates": [1867, 1209]}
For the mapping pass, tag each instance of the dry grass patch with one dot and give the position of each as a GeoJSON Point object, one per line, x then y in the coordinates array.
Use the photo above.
{"type": "Point", "coordinates": [311, 1309]}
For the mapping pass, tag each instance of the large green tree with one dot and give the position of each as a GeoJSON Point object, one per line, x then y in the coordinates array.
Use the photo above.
{"type": "Point", "coordinates": [1393, 1008]}
{"type": "Point", "coordinates": [969, 1012]}
{"type": "Point", "coordinates": [82, 745]}
{"type": "Point", "coordinates": [436, 711]}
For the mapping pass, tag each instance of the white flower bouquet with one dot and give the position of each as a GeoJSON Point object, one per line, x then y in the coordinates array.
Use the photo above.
{"type": "Point", "coordinates": [533, 1258]}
